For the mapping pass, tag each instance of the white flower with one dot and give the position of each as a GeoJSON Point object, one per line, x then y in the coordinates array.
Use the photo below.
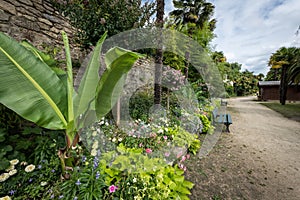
{"type": "Point", "coordinates": [106, 123]}
{"type": "Point", "coordinates": [114, 140]}
{"type": "Point", "coordinates": [134, 180]}
{"type": "Point", "coordinates": [95, 145]}
{"type": "Point", "coordinates": [12, 172]}
{"type": "Point", "coordinates": [29, 168]}
{"type": "Point", "coordinates": [4, 177]}
{"type": "Point", "coordinates": [14, 161]}
{"type": "Point", "coordinates": [94, 133]}
{"type": "Point", "coordinates": [120, 139]}
{"type": "Point", "coordinates": [160, 131]}
{"type": "Point", "coordinates": [5, 198]}
{"type": "Point", "coordinates": [94, 152]}
{"type": "Point", "coordinates": [43, 183]}
{"type": "Point", "coordinates": [24, 163]}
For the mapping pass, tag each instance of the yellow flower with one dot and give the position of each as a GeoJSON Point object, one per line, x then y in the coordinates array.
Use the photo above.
{"type": "Point", "coordinates": [12, 172]}
{"type": "Point", "coordinates": [5, 198]}
{"type": "Point", "coordinates": [29, 168]}
{"type": "Point", "coordinates": [14, 161]}
{"type": "Point", "coordinates": [4, 177]}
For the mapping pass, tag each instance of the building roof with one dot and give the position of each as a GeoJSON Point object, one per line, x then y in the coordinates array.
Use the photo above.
{"type": "Point", "coordinates": [268, 83]}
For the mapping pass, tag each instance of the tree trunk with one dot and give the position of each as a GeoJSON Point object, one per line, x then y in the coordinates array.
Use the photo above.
{"type": "Point", "coordinates": [283, 85]}
{"type": "Point", "coordinates": [159, 53]}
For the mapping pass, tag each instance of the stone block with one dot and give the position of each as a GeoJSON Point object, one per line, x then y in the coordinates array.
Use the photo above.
{"type": "Point", "coordinates": [4, 16]}
{"type": "Point", "coordinates": [46, 21]}
{"type": "Point", "coordinates": [8, 7]}
{"type": "Point", "coordinates": [27, 2]}
{"type": "Point", "coordinates": [4, 28]}
{"type": "Point", "coordinates": [44, 26]}
{"type": "Point", "coordinates": [28, 11]}
{"type": "Point", "coordinates": [21, 21]}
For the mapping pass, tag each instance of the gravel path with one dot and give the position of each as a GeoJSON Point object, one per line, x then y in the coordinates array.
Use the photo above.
{"type": "Point", "coordinates": [259, 159]}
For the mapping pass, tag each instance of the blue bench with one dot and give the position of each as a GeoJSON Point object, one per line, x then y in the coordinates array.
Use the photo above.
{"type": "Point", "coordinates": [222, 119]}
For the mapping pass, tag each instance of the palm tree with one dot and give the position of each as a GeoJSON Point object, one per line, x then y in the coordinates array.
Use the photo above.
{"type": "Point", "coordinates": [294, 70]}
{"type": "Point", "coordinates": [283, 58]}
{"type": "Point", "coordinates": [192, 15]}
{"type": "Point", "coordinates": [192, 11]}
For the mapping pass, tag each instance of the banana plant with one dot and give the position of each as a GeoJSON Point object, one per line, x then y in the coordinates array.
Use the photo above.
{"type": "Point", "coordinates": [31, 88]}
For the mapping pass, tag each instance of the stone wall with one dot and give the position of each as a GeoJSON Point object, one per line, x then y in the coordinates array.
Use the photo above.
{"type": "Point", "coordinates": [38, 22]}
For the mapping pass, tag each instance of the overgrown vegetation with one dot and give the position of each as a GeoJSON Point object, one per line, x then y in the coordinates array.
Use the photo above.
{"type": "Point", "coordinates": [98, 159]}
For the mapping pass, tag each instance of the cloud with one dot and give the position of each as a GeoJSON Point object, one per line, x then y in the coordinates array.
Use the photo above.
{"type": "Point", "coordinates": [249, 31]}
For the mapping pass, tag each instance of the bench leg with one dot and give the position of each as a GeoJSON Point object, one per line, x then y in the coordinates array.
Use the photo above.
{"type": "Point", "coordinates": [227, 127]}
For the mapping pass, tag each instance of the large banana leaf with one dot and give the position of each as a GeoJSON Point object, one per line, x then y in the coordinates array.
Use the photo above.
{"type": "Point", "coordinates": [119, 62]}
{"type": "Point", "coordinates": [84, 100]}
{"type": "Point", "coordinates": [29, 87]}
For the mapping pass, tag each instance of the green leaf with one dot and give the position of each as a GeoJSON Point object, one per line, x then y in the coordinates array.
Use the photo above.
{"type": "Point", "coordinates": [69, 78]}
{"type": "Point", "coordinates": [84, 100]}
{"type": "Point", "coordinates": [188, 184]}
{"type": "Point", "coordinates": [51, 62]}
{"type": "Point", "coordinates": [111, 83]}
{"type": "Point", "coordinates": [29, 87]}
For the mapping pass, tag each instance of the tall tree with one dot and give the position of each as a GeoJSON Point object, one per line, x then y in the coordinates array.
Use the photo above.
{"type": "Point", "coordinates": [93, 18]}
{"type": "Point", "coordinates": [294, 70]}
{"type": "Point", "coordinates": [192, 17]}
{"type": "Point", "coordinates": [193, 11]}
{"type": "Point", "coordinates": [159, 53]}
{"type": "Point", "coordinates": [283, 58]}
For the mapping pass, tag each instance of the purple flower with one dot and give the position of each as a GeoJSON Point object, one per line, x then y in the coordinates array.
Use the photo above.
{"type": "Point", "coordinates": [78, 182]}
{"type": "Point", "coordinates": [30, 180]}
{"type": "Point", "coordinates": [83, 159]}
{"type": "Point", "coordinates": [12, 192]}
{"type": "Point", "coordinates": [96, 162]}
{"type": "Point", "coordinates": [61, 196]}
{"type": "Point", "coordinates": [97, 175]}
{"type": "Point", "coordinates": [53, 170]}
{"type": "Point", "coordinates": [112, 188]}
{"type": "Point", "coordinates": [75, 198]}
{"type": "Point", "coordinates": [39, 166]}
{"type": "Point", "coordinates": [52, 196]}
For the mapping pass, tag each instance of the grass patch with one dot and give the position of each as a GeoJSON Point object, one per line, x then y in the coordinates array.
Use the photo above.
{"type": "Point", "coordinates": [290, 110]}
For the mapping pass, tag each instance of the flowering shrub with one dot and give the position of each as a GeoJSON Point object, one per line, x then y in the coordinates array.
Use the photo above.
{"type": "Point", "coordinates": [207, 127]}
{"type": "Point", "coordinates": [27, 181]}
{"type": "Point", "coordinates": [124, 174]}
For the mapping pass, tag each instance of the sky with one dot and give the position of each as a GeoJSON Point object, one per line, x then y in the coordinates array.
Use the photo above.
{"type": "Point", "coordinates": [249, 31]}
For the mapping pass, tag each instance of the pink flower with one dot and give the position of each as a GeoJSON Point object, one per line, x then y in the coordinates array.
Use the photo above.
{"type": "Point", "coordinates": [183, 158]}
{"type": "Point", "coordinates": [148, 150]}
{"type": "Point", "coordinates": [141, 144]}
{"type": "Point", "coordinates": [167, 154]}
{"type": "Point", "coordinates": [179, 154]}
{"type": "Point", "coordinates": [165, 137]}
{"type": "Point", "coordinates": [187, 156]}
{"type": "Point", "coordinates": [181, 166]}
{"type": "Point", "coordinates": [112, 188]}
